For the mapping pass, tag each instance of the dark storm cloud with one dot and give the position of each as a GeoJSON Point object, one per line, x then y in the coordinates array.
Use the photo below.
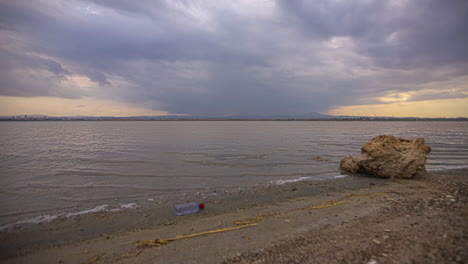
{"type": "Point", "coordinates": [9, 60]}
{"type": "Point", "coordinates": [40, 76]}
{"type": "Point", "coordinates": [324, 19]}
{"type": "Point", "coordinates": [209, 58]}
{"type": "Point", "coordinates": [402, 34]}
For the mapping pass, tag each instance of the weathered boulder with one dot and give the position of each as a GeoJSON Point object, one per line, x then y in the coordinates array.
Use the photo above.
{"type": "Point", "coordinates": [389, 157]}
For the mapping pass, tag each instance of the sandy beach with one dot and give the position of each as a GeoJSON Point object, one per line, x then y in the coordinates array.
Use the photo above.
{"type": "Point", "coordinates": [351, 220]}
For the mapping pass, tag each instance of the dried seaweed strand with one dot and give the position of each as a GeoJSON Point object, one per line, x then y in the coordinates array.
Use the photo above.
{"type": "Point", "coordinates": [368, 194]}
{"type": "Point", "coordinates": [391, 199]}
{"type": "Point", "coordinates": [129, 255]}
{"type": "Point", "coordinates": [92, 259]}
{"type": "Point", "coordinates": [257, 219]}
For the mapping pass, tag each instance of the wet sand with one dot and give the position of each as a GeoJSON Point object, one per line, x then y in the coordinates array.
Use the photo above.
{"type": "Point", "coordinates": [351, 220]}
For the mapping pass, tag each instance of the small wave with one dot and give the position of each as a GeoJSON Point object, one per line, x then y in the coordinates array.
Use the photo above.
{"type": "Point", "coordinates": [443, 168]}
{"type": "Point", "coordinates": [236, 156]}
{"type": "Point", "coordinates": [333, 176]}
{"type": "Point", "coordinates": [7, 156]}
{"type": "Point", "coordinates": [281, 182]}
{"type": "Point", "coordinates": [96, 209]}
{"type": "Point", "coordinates": [341, 176]}
{"type": "Point", "coordinates": [247, 165]}
{"type": "Point", "coordinates": [99, 174]}
{"type": "Point", "coordinates": [129, 206]}
{"type": "Point", "coordinates": [104, 161]}
{"type": "Point", "coordinates": [48, 218]}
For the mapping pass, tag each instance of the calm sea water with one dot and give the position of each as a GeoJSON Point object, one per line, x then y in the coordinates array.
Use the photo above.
{"type": "Point", "coordinates": [52, 168]}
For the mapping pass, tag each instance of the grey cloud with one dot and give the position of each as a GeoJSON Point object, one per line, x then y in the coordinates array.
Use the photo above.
{"type": "Point", "coordinates": [153, 54]}
{"type": "Point", "coordinates": [437, 95]}
{"type": "Point", "coordinates": [10, 60]}
{"type": "Point", "coordinates": [153, 9]}
{"type": "Point", "coordinates": [33, 82]}
{"type": "Point", "coordinates": [97, 77]}
{"type": "Point", "coordinates": [421, 33]}
{"type": "Point", "coordinates": [324, 19]}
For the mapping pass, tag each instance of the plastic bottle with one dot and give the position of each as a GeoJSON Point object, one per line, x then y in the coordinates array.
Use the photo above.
{"type": "Point", "coordinates": [188, 208]}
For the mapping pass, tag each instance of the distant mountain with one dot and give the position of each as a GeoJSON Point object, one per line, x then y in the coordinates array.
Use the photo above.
{"type": "Point", "coordinates": [313, 115]}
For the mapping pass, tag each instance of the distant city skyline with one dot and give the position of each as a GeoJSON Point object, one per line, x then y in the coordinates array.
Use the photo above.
{"type": "Point", "coordinates": [221, 58]}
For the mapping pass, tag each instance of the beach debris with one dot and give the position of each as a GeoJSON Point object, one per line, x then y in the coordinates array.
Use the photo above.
{"type": "Point", "coordinates": [368, 194]}
{"type": "Point", "coordinates": [391, 199]}
{"type": "Point", "coordinates": [130, 255]}
{"type": "Point", "coordinates": [322, 205]}
{"type": "Point", "coordinates": [171, 222]}
{"type": "Point", "coordinates": [92, 259]}
{"type": "Point", "coordinates": [188, 208]}
{"type": "Point", "coordinates": [388, 156]}
{"type": "Point", "coordinates": [318, 158]}
{"type": "Point", "coordinates": [258, 218]}
{"type": "Point", "coordinates": [160, 242]}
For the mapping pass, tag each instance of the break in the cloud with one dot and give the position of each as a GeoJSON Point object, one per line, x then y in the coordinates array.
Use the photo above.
{"type": "Point", "coordinates": [256, 57]}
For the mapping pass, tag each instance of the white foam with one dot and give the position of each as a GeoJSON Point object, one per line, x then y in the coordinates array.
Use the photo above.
{"type": "Point", "coordinates": [340, 176]}
{"type": "Point", "coordinates": [129, 206]}
{"type": "Point", "coordinates": [32, 221]}
{"type": "Point", "coordinates": [48, 218]}
{"type": "Point", "coordinates": [96, 209]}
{"type": "Point", "coordinates": [325, 177]}
{"type": "Point", "coordinates": [281, 182]}
{"type": "Point", "coordinates": [448, 168]}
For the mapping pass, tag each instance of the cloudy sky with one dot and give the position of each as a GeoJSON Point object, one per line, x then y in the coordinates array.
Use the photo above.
{"type": "Point", "coordinates": [245, 57]}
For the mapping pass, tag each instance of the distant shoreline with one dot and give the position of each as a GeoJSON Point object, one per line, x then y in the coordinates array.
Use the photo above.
{"type": "Point", "coordinates": [227, 119]}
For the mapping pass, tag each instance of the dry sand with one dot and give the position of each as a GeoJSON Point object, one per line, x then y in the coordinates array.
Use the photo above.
{"type": "Point", "coordinates": [351, 220]}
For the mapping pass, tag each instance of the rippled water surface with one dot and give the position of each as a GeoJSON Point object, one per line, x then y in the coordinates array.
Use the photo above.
{"type": "Point", "coordinates": [49, 167]}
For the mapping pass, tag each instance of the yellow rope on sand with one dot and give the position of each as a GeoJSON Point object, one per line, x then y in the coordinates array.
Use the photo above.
{"type": "Point", "coordinates": [253, 220]}
{"type": "Point", "coordinates": [321, 206]}
{"type": "Point", "coordinates": [160, 242]}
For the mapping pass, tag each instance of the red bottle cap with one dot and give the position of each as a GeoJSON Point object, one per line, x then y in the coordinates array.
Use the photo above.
{"type": "Point", "coordinates": [201, 206]}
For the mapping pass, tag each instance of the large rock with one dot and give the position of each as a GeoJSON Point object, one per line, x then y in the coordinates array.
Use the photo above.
{"type": "Point", "coordinates": [389, 157]}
